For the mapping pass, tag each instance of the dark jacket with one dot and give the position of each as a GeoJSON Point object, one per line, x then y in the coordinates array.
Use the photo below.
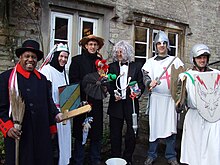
{"type": "Point", "coordinates": [38, 121]}
{"type": "Point", "coordinates": [80, 66]}
{"type": "Point", "coordinates": [115, 107]}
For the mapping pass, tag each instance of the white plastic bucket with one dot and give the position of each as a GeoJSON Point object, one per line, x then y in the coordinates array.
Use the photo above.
{"type": "Point", "coordinates": [116, 161]}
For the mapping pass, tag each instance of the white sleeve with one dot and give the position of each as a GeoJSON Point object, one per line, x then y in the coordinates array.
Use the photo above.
{"type": "Point", "coordinates": [46, 72]}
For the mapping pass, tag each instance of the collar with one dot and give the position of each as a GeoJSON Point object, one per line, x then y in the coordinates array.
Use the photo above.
{"type": "Point", "coordinates": [206, 69]}
{"type": "Point", "coordinates": [25, 73]}
{"type": "Point", "coordinates": [158, 57]}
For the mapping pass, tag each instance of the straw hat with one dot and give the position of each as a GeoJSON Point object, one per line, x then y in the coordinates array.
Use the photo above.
{"type": "Point", "coordinates": [86, 39]}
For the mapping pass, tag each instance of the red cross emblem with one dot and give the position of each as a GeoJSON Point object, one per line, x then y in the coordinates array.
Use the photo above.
{"type": "Point", "coordinates": [167, 77]}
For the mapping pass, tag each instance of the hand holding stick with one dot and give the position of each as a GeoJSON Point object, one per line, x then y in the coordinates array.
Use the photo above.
{"type": "Point", "coordinates": [153, 84]}
{"type": "Point", "coordinates": [157, 80]}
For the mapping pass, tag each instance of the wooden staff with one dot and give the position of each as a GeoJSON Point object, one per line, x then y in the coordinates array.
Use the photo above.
{"type": "Point", "coordinates": [18, 109]}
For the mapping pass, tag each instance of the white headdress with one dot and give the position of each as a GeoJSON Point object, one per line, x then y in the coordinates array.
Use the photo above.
{"type": "Point", "coordinates": [56, 48]}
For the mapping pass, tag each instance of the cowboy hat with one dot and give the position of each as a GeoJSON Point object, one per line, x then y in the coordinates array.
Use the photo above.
{"type": "Point", "coordinates": [86, 39]}
{"type": "Point", "coordinates": [30, 45]}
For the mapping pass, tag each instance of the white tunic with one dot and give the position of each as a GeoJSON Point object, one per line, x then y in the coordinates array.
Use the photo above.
{"type": "Point", "coordinates": [162, 113]}
{"type": "Point", "coordinates": [201, 139]}
{"type": "Point", "coordinates": [64, 131]}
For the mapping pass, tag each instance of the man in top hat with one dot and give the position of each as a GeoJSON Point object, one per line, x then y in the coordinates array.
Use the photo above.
{"type": "Point", "coordinates": [80, 66]}
{"type": "Point", "coordinates": [38, 123]}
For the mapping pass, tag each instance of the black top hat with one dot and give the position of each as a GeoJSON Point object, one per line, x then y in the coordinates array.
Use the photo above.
{"type": "Point", "coordinates": [30, 45]}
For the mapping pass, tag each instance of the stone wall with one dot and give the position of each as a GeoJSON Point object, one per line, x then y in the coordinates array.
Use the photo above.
{"type": "Point", "coordinates": [19, 20]}
{"type": "Point", "coordinates": [202, 17]}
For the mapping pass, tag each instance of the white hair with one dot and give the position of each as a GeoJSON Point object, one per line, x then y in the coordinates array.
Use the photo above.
{"type": "Point", "coordinates": [127, 51]}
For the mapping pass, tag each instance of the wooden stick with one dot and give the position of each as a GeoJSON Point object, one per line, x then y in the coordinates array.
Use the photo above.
{"type": "Point", "coordinates": [75, 112]}
{"type": "Point", "coordinates": [212, 63]}
{"type": "Point", "coordinates": [17, 142]}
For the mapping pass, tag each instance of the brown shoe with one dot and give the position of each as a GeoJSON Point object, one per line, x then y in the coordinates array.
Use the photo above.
{"type": "Point", "coordinates": [173, 162]}
{"type": "Point", "coordinates": [148, 161]}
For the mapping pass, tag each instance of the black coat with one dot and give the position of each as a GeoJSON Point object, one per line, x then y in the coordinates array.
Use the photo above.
{"type": "Point", "coordinates": [80, 66]}
{"type": "Point", "coordinates": [115, 107]}
{"type": "Point", "coordinates": [35, 141]}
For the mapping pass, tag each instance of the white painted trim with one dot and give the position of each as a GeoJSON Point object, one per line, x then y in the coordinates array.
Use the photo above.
{"type": "Point", "coordinates": [144, 43]}
{"type": "Point", "coordinates": [69, 17]}
{"type": "Point", "coordinates": [81, 20]}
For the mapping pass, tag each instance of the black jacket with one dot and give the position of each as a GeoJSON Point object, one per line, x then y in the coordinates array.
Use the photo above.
{"type": "Point", "coordinates": [115, 107]}
{"type": "Point", "coordinates": [35, 141]}
{"type": "Point", "coordinates": [80, 66]}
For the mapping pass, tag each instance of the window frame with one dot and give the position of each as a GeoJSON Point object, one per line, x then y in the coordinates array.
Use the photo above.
{"type": "Point", "coordinates": [52, 40]}
{"type": "Point", "coordinates": [143, 43]}
{"type": "Point", "coordinates": [94, 21]}
{"type": "Point", "coordinates": [150, 40]}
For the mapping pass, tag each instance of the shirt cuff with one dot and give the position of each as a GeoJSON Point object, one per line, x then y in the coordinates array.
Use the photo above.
{"type": "Point", "coordinates": [5, 126]}
{"type": "Point", "coordinates": [53, 129]}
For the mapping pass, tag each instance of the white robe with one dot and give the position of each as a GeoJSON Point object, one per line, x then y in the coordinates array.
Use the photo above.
{"type": "Point", "coordinates": [162, 113]}
{"type": "Point", "coordinates": [201, 139]}
{"type": "Point", "coordinates": [64, 131]}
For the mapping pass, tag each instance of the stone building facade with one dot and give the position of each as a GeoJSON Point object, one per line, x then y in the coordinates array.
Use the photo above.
{"type": "Point", "coordinates": [186, 22]}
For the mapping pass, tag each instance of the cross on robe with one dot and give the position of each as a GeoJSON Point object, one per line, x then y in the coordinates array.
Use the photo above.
{"type": "Point", "coordinates": [167, 77]}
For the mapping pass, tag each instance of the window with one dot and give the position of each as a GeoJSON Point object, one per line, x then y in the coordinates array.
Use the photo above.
{"type": "Point", "coordinates": [70, 28]}
{"type": "Point", "coordinates": [87, 26]}
{"type": "Point", "coordinates": [173, 39]}
{"type": "Point", "coordinates": [61, 30]}
{"type": "Point", "coordinates": [143, 46]}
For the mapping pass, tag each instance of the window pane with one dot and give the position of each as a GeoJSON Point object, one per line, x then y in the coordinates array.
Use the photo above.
{"type": "Point", "coordinates": [172, 51]}
{"type": "Point", "coordinates": [154, 35]}
{"type": "Point", "coordinates": [141, 61]}
{"type": "Point", "coordinates": [61, 25]}
{"type": "Point", "coordinates": [172, 39]}
{"type": "Point", "coordinates": [57, 42]}
{"type": "Point", "coordinates": [87, 28]}
{"type": "Point", "coordinates": [140, 50]}
{"type": "Point", "coordinates": [140, 34]}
